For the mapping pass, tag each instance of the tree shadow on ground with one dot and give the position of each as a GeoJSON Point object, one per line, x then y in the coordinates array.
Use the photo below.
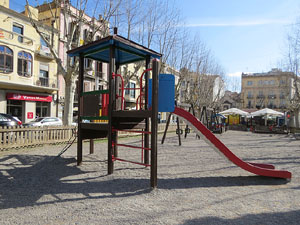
{"type": "Point", "coordinates": [280, 218]}
{"type": "Point", "coordinates": [37, 180]}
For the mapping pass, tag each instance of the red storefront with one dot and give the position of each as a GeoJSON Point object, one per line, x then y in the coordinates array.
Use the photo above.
{"type": "Point", "coordinates": [25, 105]}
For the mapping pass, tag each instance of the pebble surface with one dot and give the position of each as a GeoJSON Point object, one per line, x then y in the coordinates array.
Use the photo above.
{"type": "Point", "coordinates": [195, 184]}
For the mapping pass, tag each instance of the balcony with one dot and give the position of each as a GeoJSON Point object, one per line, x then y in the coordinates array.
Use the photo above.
{"type": "Point", "coordinates": [43, 51]}
{"type": "Point", "coordinates": [9, 35]}
{"type": "Point", "coordinates": [46, 82]}
{"type": "Point", "coordinates": [99, 74]}
{"type": "Point", "coordinates": [250, 97]}
{"type": "Point", "coordinates": [271, 96]}
{"type": "Point", "coordinates": [271, 106]}
{"type": "Point", "coordinates": [261, 96]}
{"type": "Point", "coordinates": [282, 97]}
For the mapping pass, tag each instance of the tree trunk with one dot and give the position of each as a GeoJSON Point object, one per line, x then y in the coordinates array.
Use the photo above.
{"type": "Point", "coordinates": [69, 100]}
{"type": "Point", "coordinates": [296, 112]}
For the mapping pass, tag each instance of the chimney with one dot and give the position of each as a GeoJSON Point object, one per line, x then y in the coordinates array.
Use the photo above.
{"type": "Point", "coordinates": [4, 3]}
{"type": "Point", "coordinates": [31, 11]}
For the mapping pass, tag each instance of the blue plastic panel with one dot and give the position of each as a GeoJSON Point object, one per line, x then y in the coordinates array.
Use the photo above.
{"type": "Point", "coordinates": [166, 93]}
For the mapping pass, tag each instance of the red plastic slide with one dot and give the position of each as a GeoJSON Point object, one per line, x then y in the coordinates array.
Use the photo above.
{"type": "Point", "coordinates": [212, 140]}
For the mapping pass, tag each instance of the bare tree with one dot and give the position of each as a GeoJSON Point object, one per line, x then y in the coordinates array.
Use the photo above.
{"type": "Point", "coordinates": [73, 19]}
{"type": "Point", "coordinates": [292, 59]}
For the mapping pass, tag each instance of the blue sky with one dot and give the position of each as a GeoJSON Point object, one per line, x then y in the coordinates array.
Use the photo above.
{"type": "Point", "coordinates": [245, 35]}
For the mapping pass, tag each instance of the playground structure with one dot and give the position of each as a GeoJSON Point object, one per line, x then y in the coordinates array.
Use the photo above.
{"type": "Point", "coordinates": [116, 51]}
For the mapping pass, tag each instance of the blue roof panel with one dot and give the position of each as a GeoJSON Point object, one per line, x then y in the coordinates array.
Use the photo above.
{"type": "Point", "coordinates": [126, 51]}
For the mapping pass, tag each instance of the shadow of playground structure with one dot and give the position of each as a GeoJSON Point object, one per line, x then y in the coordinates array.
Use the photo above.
{"type": "Point", "coordinates": [281, 218]}
{"type": "Point", "coordinates": [32, 177]}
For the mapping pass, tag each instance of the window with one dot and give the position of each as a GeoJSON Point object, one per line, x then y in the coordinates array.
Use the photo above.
{"type": "Point", "coordinates": [42, 109]}
{"type": "Point", "coordinates": [88, 63]}
{"type": "Point", "coordinates": [15, 108]}
{"type": "Point", "coordinates": [6, 59]}
{"type": "Point", "coordinates": [99, 70]}
{"type": "Point", "coordinates": [76, 33]}
{"type": "Point", "coordinates": [24, 64]}
{"type": "Point", "coordinates": [19, 30]}
{"type": "Point", "coordinates": [85, 34]}
{"type": "Point", "coordinates": [250, 83]}
{"type": "Point", "coordinates": [43, 43]}
{"type": "Point", "coordinates": [131, 91]}
{"type": "Point", "coordinates": [249, 104]}
{"type": "Point", "coordinates": [86, 86]}
{"type": "Point", "coordinates": [72, 61]}
{"type": "Point", "coordinates": [44, 75]}
{"type": "Point", "coordinates": [249, 94]}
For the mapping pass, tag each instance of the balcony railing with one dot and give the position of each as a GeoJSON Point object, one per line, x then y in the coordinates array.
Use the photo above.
{"type": "Point", "coordinates": [99, 74]}
{"type": "Point", "coordinates": [260, 96]}
{"type": "Point", "coordinates": [4, 34]}
{"type": "Point", "coordinates": [282, 97]}
{"type": "Point", "coordinates": [9, 35]}
{"type": "Point", "coordinates": [271, 96]}
{"type": "Point", "coordinates": [250, 96]}
{"type": "Point", "coordinates": [272, 106]}
{"type": "Point", "coordinates": [44, 52]}
{"type": "Point", "coordinates": [46, 82]}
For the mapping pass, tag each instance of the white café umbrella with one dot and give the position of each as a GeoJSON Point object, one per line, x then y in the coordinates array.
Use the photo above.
{"type": "Point", "coordinates": [267, 112]}
{"type": "Point", "coordinates": [234, 111]}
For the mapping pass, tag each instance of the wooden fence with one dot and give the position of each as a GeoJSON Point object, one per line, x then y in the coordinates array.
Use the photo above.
{"type": "Point", "coordinates": [19, 137]}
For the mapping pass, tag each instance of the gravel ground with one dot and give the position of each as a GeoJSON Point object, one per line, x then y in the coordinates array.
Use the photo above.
{"type": "Point", "coordinates": [195, 184]}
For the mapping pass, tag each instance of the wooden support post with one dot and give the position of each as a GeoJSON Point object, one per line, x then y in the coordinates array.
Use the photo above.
{"type": "Point", "coordinates": [91, 146]}
{"type": "Point", "coordinates": [118, 103]}
{"type": "Point", "coordinates": [110, 164]}
{"type": "Point", "coordinates": [166, 129]}
{"type": "Point", "coordinates": [147, 127]}
{"type": "Point", "coordinates": [178, 131]}
{"type": "Point", "coordinates": [154, 121]}
{"type": "Point", "coordinates": [80, 90]}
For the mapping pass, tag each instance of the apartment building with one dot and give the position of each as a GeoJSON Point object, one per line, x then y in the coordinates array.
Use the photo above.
{"type": "Point", "coordinates": [272, 89]}
{"type": "Point", "coordinates": [63, 16]}
{"type": "Point", "coordinates": [28, 71]}
{"type": "Point", "coordinates": [231, 100]}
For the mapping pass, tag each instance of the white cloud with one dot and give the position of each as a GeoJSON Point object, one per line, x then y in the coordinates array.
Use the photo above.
{"type": "Point", "coordinates": [235, 74]}
{"type": "Point", "coordinates": [241, 23]}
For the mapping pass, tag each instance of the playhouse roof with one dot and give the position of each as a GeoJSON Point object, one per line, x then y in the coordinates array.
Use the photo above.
{"type": "Point", "coordinates": [126, 51]}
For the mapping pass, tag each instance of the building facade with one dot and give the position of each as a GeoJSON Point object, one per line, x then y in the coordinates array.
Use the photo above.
{"type": "Point", "coordinates": [28, 71]}
{"type": "Point", "coordinates": [273, 89]}
{"type": "Point", "coordinates": [87, 30]}
{"type": "Point", "coordinates": [231, 100]}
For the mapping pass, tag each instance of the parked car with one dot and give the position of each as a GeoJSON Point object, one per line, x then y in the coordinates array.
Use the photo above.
{"type": "Point", "coordinates": [44, 121]}
{"type": "Point", "coordinates": [8, 120]}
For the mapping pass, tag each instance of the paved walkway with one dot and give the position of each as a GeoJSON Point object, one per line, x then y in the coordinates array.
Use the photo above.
{"type": "Point", "coordinates": [195, 186]}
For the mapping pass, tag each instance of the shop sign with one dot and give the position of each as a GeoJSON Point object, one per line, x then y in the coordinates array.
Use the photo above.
{"type": "Point", "coordinates": [30, 115]}
{"type": "Point", "coordinates": [26, 97]}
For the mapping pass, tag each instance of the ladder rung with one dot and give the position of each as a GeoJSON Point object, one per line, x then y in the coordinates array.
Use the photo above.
{"type": "Point", "coordinates": [124, 160]}
{"type": "Point", "coordinates": [131, 146]}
